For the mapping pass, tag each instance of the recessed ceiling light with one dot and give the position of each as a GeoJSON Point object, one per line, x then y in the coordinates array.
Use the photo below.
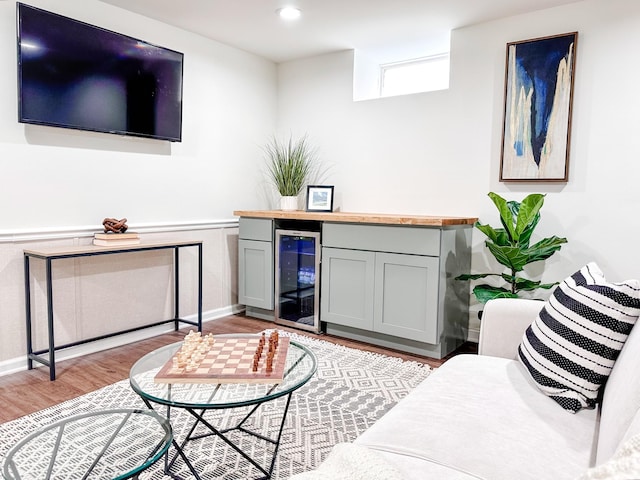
{"type": "Point", "coordinates": [289, 13]}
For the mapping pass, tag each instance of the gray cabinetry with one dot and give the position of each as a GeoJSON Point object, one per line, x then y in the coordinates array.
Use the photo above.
{"type": "Point", "coordinates": [389, 293]}
{"type": "Point", "coordinates": [406, 296]}
{"type": "Point", "coordinates": [255, 265]}
{"type": "Point", "coordinates": [384, 279]}
{"type": "Point", "coordinates": [347, 281]}
{"type": "Point", "coordinates": [387, 285]}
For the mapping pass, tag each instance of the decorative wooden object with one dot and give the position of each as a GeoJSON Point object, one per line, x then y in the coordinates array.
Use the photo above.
{"type": "Point", "coordinates": [114, 225]}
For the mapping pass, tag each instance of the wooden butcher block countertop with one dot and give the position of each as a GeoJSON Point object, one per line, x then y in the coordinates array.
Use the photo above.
{"type": "Point", "coordinates": [348, 217]}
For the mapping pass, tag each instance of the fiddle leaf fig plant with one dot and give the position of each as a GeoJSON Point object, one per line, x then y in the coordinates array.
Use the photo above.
{"type": "Point", "coordinates": [510, 245]}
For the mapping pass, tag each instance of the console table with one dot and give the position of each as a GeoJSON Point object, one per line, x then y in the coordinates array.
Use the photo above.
{"type": "Point", "coordinates": [51, 254]}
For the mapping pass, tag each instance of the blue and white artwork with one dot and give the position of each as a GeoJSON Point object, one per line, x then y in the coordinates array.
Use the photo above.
{"type": "Point", "coordinates": [537, 113]}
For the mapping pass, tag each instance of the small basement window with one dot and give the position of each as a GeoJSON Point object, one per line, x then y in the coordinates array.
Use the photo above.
{"type": "Point", "coordinates": [424, 74]}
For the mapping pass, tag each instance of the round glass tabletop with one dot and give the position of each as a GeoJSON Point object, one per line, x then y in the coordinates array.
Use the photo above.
{"type": "Point", "coordinates": [115, 444]}
{"type": "Point", "coordinates": [300, 365]}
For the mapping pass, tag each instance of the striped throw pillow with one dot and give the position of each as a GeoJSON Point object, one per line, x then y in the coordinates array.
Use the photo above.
{"type": "Point", "coordinates": [570, 348]}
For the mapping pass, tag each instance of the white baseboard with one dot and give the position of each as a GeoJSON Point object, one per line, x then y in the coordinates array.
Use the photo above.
{"type": "Point", "coordinates": [19, 364]}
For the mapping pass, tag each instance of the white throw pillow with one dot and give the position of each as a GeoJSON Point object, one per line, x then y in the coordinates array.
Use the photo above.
{"type": "Point", "coordinates": [624, 465]}
{"type": "Point", "coordinates": [353, 462]}
{"type": "Point", "coordinates": [570, 348]}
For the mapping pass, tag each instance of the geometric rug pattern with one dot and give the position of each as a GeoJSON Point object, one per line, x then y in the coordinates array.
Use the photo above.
{"type": "Point", "coordinates": [351, 390]}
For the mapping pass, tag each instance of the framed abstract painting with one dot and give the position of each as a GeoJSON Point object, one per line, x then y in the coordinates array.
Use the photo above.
{"type": "Point", "coordinates": [537, 109]}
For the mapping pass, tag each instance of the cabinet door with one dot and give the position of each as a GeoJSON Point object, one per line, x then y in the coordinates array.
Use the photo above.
{"type": "Point", "coordinates": [406, 300]}
{"type": "Point", "coordinates": [347, 287]}
{"type": "Point", "coordinates": [255, 274]}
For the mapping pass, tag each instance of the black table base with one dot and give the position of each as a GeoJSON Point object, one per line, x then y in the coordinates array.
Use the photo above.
{"type": "Point", "coordinates": [199, 419]}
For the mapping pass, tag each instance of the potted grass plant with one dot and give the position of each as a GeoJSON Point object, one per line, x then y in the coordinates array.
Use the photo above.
{"type": "Point", "coordinates": [511, 247]}
{"type": "Point", "coordinates": [290, 165]}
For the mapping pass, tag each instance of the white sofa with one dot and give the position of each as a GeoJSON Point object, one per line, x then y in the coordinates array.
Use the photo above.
{"type": "Point", "coordinates": [481, 416]}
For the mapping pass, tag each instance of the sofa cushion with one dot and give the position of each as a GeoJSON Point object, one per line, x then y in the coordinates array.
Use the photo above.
{"type": "Point", "coordinates": [482, 417]}
{"type": "Point", "coordinates": [572, 345]}
{"type": "Point", "coordinates": [620, 410]}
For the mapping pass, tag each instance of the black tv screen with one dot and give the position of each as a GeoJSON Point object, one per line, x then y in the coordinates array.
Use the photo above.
{"type": "Point", "coordinates": [75, 75]}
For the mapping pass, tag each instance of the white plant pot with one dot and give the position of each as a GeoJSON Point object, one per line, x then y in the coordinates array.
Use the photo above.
{"type": "Point", "coordinates": [288, 203]}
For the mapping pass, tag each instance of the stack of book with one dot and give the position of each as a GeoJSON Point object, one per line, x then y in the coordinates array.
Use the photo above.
{"type": "Point", "coordinates": [116, 239]}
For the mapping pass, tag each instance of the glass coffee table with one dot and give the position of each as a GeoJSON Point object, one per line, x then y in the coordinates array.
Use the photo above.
{"type": "Point", "coordinates": [199, 398]}
{"type": "Point", "coordinates": [102, 444]}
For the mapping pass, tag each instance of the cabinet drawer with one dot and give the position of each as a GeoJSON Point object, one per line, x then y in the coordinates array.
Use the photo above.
{"type": "Point", "coordinates": [411, 240]}
{"type": "Point", "coordinates": [256, 229]}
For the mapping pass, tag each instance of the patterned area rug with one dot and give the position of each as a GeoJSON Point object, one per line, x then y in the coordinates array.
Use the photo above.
{"type": "Point", "coordinates": [350, 391]}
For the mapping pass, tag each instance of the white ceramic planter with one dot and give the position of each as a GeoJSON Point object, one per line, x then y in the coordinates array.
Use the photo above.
{"type": "Point", "coordinates": [288, 203]}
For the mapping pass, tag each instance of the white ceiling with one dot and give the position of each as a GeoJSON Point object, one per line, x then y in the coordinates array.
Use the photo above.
{"type": "Point", "coordinates": [330, 25]}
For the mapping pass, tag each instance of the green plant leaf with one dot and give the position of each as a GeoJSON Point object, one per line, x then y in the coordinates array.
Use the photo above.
{"type": "Point", "coordinates": [512, 257]}
{"type": "Point", "coordinates": [544, 249]}
{"type": "Point", "coordinates": [496, 235]}
{"type": "Point", "coordinates": [527, 212]}
{"type": "Point", "coordinates": [484, 293]}
{"type": "Point", "coordinates": [524, 283]}
{"type": "Point", "coordinates": [525, 236]}
{"type": "Point", "coordinates": [506, 216]}
{"type": "Point", "coordinates": [476, 276]}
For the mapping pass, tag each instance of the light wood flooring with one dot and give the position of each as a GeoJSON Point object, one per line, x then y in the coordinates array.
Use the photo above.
{"type": "Point", "coordinates": [26, 392]}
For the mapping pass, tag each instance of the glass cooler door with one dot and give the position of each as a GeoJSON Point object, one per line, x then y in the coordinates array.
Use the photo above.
{"type": "Point", "coordinates": [297, 279]}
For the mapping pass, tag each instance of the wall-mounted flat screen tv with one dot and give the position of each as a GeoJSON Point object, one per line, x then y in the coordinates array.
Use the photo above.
{"type": "Point", "coordinates": [75, 75]}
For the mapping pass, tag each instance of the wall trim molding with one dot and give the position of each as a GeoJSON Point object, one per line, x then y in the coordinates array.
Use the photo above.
{"type": "Point", "coordinates": [19, 364]}
{"type": "Point", "coordinates": [56, 233]}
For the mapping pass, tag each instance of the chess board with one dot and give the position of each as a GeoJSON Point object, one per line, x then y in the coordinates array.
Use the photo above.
{"type": "Point", "coordinates": [229, 360]}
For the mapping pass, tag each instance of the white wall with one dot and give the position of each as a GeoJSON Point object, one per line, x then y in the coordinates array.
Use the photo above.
{"type": "Point", "coordinates": [58, 185]}
{"type": "Point", "coordinates": [438, 153]}
{"type": "Point", "coordinates": [435, 153]}
{"type": "Point", "coordinates": [63, 177]}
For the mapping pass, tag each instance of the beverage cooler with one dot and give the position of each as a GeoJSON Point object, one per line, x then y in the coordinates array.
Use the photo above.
{"type": "Point", "coordinates": [297, 287]}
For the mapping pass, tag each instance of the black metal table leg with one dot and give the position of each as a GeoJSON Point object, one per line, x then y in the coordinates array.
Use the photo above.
{"type": "Point", "coordinates": [52, 349]}
{"type": "Point", "coordinates": [176, 286]}
{"type": "Point", "coordinates": [199, 419]}
{"type": "Point", "coordinates": [200, 287]}
{"type": "Point", "coordinates": [179, 451]}
{"type": "Point", "coordinates": [27, 308]}
{"type": "Point", "coordinates": [277, 443]}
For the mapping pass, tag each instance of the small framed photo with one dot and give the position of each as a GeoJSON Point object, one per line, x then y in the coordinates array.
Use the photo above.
{"type": "Point", "coordinates": [320, 198]}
